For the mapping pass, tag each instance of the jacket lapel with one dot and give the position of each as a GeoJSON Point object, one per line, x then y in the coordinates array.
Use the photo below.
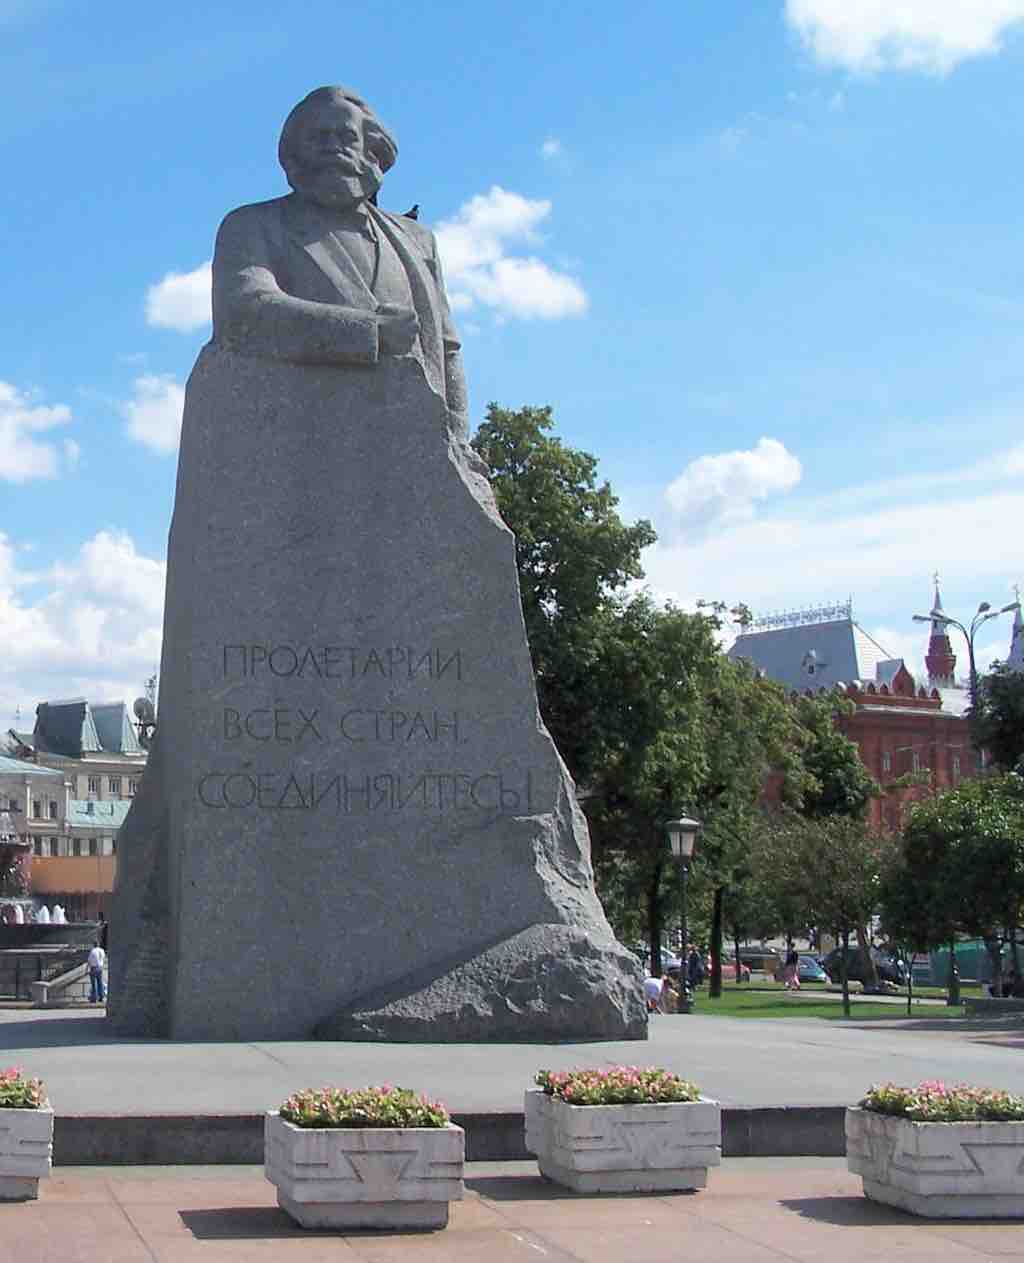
{"type": "Point", "coordinates": [329, 257]}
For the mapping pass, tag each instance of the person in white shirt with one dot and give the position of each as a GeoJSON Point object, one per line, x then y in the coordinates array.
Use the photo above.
{"type": "Point", "coordinates": [97, 960]}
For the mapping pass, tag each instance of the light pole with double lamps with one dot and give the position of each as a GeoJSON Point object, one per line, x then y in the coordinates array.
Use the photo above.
{"type": "Point", "coordinates": [682, 837]}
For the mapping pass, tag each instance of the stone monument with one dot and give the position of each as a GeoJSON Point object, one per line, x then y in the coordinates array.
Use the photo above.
{"type": "Point", "coordinates": [353, 824]}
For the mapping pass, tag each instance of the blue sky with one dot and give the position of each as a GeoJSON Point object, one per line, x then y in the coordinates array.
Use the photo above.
{"type": "Point", "coordinates": [763, 257]}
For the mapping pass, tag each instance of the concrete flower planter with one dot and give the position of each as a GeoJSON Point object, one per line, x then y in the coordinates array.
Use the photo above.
{"type": "Point", "coordinates": [939, 1170]}
{"type": "Point", "coordinates": [26, 1152]}
{"type": "Point", "coordinates": [364, 1177]}
{"type": "Point", "coordinates": [624, 1148]}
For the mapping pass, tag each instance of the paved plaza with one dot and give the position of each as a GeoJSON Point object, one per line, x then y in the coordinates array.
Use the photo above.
{"type": "Point", "coordinates": [787, 1061]}
{"type": "Point", "coordinates": [753, 1211]}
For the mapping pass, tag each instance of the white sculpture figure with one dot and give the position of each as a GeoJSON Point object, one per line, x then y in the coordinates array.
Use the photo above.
{"type": "Point", "coordinates": [43, 916]}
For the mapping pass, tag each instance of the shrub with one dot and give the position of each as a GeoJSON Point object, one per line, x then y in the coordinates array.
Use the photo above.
{"type": "Point", "coordinates": [385, 1106]}
{"type": "Point", "coordinates": [934, 1102]}
{"type": "Point", "coordinates": [619, 1085]}
{"type": "Point", "coordinates": [19, 1093]}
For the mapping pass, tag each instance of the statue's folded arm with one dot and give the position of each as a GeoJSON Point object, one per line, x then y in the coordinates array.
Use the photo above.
{"type": "Point", "coordinates": [254, 315]}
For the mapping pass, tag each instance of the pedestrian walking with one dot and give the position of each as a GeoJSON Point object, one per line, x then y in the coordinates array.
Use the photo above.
{"type": "Point", "coordinates": [97, 962]}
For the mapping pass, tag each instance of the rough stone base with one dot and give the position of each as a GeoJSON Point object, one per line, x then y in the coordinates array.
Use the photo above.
{"type": "Point", "coordinates": [18, 1188]}
{"type": "Point", "coordinates": [549, 983]}
{"type": "Point", "coordinates": [365, 1214]}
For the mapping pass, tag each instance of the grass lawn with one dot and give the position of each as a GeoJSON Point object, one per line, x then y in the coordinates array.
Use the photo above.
{"type": "Point", "coordinates": [742, 1002]}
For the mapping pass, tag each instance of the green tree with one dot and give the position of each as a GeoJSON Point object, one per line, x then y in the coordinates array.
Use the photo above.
{"type": "Point", "coordinates": [999, 716]}
{"type": "Point", "coordinates": [828, 869]}
{"type": "Point", "coordinates": [574, 556]}
{"type": "Point", "coordinates": [963, 851]}
{"type": "Point", "coordinates": [829, 777]}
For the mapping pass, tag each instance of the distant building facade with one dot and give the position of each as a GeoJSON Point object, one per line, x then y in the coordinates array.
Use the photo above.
{"type": "Point", "coordinates": [68, 786]}
{"type": "Point", "coordinates": [901, 729]}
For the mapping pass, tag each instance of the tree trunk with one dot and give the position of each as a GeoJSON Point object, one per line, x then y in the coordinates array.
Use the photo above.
{"type": "Point", "coordinates": [654, 919]}
{"type": "Point", "coordinates": [953, 997]}
{"type": "Point", "coordinates": [995, 960]}
{"type": "Point", "coordinates": [844, 970]}
{"type": "Point", "coordinates": [736, 957]}
{"type": "Point", "coordinates": [864, 947]}
{"type": "Point", "coordinates": [715, 985]}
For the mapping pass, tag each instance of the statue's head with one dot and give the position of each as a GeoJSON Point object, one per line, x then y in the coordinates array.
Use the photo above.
{"type": "Point", "coordinates": [334, 149]}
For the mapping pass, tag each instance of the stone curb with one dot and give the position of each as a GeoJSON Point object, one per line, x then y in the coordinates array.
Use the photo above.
{"type": "Point", "coordinates": [210, 1139]}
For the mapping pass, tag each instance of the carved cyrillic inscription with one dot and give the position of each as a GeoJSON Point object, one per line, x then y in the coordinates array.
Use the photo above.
{"type": "Point", "coordinates": [354, 727]}
{"type": "Point", "coordinates": [287, 726]}
{"type": "Point", "coordinates": [339, 662]}
{"type": "Point", "coordinates": [362, 794]}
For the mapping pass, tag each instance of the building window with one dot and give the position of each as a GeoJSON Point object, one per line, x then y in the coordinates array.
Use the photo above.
{"type": "Point", "coordinates": [37, 846]}
{"type": "Point", "coordinates": [94, 784]}
{"type": "Point", "coordinates": [114, 784]}
{"type": "Point", "coordinates": [133, 788]}
{"type": "Point", "coordinates": [886, 762]}
{"type": "Point", "coordinates": [94, 846]}
{"type": "Point", "coordinates": [956, 767]}
{"type": "Point", "coordinates": [915, 761]}
{"type": "Point", "coordinates": [53, 810]}
{"type": "Point", "coordinates": [54, 846]}
{"type": "Point", "coordinates": [113, 846]}
{"type": "Point", "coordinates": [37, 809]}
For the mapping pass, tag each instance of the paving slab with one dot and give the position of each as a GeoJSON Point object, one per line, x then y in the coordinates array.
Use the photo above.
{"type": "Point", "coordinates": [739, 1061]}
{"type": "Point", "coordinates": [753, 1211]}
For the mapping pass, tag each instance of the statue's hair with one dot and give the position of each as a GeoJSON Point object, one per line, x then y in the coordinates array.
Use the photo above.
{"type": "Point", "coordinates": [378, 140]}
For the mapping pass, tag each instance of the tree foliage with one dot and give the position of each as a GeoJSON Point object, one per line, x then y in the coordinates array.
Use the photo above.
{"type": "Point", "coordinates": [575, 556]}
{"type": "Point", "coordinates": [828, 778]}
{"type": "Point", "coordinates": [960, 866]}
{"type": "Point", "coordinates": [824, 871]}
{"type": "Point", "coordinates": [998, 719]}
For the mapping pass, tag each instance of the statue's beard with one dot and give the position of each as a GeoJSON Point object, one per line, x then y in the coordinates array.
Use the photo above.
{"type": "Point", "coordinates": [330, 185]}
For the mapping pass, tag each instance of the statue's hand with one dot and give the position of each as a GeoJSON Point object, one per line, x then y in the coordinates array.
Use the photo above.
{"type": "Point", "coordinates": [397, 327]}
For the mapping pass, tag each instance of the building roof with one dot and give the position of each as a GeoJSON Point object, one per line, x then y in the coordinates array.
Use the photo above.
{"type": "Point", "coordinates": [115, 728]}
{"type": "Point", "coordinates": [66, 728]}
{"type": "Point", "coordinates": [955, 701]}
{"type": "Point", "coordinates": [815, 655]}
{"type": "Point", "coordinates": [86, 814]}
{"type": "Point", "coordinates": [74, 728]}
{"type": "Point", "coordinates": [21, 767]}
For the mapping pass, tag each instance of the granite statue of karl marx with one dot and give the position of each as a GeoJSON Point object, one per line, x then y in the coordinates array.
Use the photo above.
{"type": "Point", "coordinates": [323, 276]}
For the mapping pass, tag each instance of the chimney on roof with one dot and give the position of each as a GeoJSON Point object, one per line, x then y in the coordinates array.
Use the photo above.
{"type": "Point", "coordinates": [940, 658]}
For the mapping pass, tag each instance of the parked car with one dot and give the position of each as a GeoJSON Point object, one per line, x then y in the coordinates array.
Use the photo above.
{"type": "Point", "coordinates": [888, 968]}
{"type": "Point", "coordinates": [808, 970]}
{"type": "Point", "coordinates": [729, 970]}
{"type": "Point", "coordinates": [763, 958]}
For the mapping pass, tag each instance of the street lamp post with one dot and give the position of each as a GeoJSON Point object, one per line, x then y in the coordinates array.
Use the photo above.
{"type": "Point", "coordinates": [984, 614]}
{"type": "Point", "coordinates": [682, 837]}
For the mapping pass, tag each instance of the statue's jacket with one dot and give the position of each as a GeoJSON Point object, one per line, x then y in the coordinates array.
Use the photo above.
{"type": "Point", "coordinates": [284, 287]}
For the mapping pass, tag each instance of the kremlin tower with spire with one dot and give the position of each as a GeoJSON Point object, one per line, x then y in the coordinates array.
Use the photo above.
{"type": "Point", "coordinates": [940, 659]}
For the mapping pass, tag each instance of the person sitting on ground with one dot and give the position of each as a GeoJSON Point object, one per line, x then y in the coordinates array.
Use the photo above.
{"type": "Point", "coordinates": [653, 988]}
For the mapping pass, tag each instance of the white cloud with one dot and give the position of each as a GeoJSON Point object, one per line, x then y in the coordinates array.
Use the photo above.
{"type": "Point", "coordinates": [479, 269]}
{"type": "Point", "coordinates": [929, 35]}
{"type": "Point", "coordinates": [22, 455]}
{"type": "Point", "coordinates": [881, 554]}
{"type": "Point", "coordinates": [154, 415]}
{"type": "Point", "coordinates": [182, 300]}
{"type": "Point", "coordinates": [551, 148]}
{"type": "Point", "coordinates": [725, 487]}
{"type": "Point", "coordinates": [89, 626]}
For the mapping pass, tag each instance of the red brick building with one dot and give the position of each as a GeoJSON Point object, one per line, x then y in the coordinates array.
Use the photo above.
{"type": "Point", "coordinates": [900, 727]}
